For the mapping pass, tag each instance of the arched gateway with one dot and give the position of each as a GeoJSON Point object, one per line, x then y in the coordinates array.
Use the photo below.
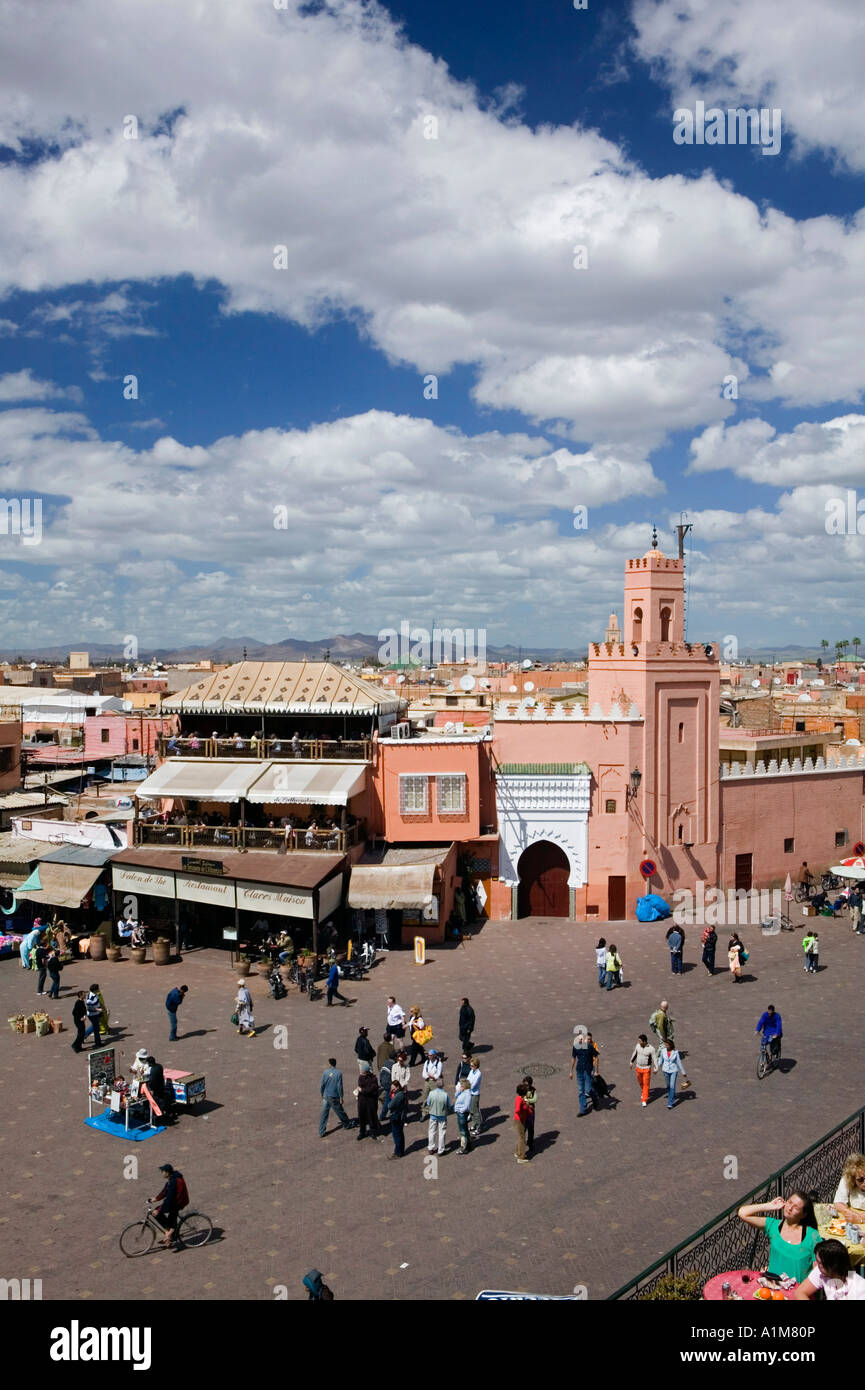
{"type": "Point", "coordinates": [543, 871]}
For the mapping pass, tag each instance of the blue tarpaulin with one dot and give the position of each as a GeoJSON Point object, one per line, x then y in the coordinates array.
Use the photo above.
{"type": "Point", "coordinates": [651, 908]}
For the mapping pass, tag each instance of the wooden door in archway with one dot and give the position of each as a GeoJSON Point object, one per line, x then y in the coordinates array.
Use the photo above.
{"type": "Point", "coordinates": [543, 871]}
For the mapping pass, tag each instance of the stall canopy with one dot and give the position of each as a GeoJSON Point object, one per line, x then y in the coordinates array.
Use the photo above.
{"type": "Point", "coordinates": [322, 784]}
{"type": "Point", "coordinates": [59, 885]}
{"type": "Point", "coordinates": [198, 780]}
{"type": "Point", "coordinates": [410, 885]}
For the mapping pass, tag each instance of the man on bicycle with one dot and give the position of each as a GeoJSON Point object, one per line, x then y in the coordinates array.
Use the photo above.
{"type": "Point", "coordinates": [769, 1024]}
{"type": "Point", "coordinates": [172, 1197]}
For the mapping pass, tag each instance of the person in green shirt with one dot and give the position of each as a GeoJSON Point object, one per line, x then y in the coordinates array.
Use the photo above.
{"type": "Point", "coordinates": [811, 947]}
{"type": "Point", "coordinates": [792, 1233]}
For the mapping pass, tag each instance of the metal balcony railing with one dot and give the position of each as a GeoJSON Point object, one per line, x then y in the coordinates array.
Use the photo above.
{"type": "Point", "coordinates": [315, 749]}
{"type": "Point", "coordinates": [177, 836]}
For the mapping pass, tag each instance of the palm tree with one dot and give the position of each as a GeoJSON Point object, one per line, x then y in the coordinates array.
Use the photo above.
{"type": "Point", "coordinates": [857, 643]}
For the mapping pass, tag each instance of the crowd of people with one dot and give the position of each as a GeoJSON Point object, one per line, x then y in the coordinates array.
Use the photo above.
{"type": "Point", "coordinates": [384, 1090]}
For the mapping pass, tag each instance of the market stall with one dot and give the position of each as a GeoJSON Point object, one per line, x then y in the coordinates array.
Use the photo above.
{"type": "Point", "coordinates": [126, 1107]}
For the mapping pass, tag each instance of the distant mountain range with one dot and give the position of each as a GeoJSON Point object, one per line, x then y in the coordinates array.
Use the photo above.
{"type": "Point", "coordinates": [354, 646]}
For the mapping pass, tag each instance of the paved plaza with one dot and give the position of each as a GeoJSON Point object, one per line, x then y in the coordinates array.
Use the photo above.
{"type": "Point", "coordinates": [604, 1196]}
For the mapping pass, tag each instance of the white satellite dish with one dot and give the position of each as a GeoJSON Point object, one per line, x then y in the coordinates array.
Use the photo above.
{"type": "Point", "coordinates": [449, 728]}
{"type": "Point", "coordinates": [776, 680]}
{"type": "Point", "coordinates": [527, 665]}
{"type": "Point", "coordinates": [400, 680]}
{"type": "Point", "coordinates": [467, 683]}
{"type": "Point", "coordinates": [755, 685]}
{"type": "Point", "coordinates": [485, 685]}
{"type": "Point", "coordinates": [512, 689]}
{"type": "Point", "coordinates": [449, 686]}
{"type": "Point", "coordinates": [32, 665]}
{"type": "Point", "coordinates": [530, 703]}
{"type": "Point", "coordinates": [804, 698]}
{"type": "Point", "coordinates": [529, 685]}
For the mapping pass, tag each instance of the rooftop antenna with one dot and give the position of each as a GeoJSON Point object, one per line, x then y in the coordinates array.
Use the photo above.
{"type": "Point", "coordinates": [682, 530]}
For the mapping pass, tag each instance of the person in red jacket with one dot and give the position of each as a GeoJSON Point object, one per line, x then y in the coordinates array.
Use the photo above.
{"type": "Point", "coordinates": [522, 1115]}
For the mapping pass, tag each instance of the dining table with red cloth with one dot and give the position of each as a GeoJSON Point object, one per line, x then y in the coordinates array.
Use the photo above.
{"type": "Point", "coordinates": [736, 1278]}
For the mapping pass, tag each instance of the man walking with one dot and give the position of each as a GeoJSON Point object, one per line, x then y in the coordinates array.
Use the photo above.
{"type": "Point", "coordinates": [385, 1083]}
{"type": "Point", "coordinates": [400, 1074]}
{"type": "Point", "coordinates": [363, 1049]}
{"type": "Point", "coordinates": [331, 1098]}
{"type": "Point", "coordinates": [173, 1002]}
{"type": "Point", "coordinates": [93, 1007]}
{"type": "Point", "coordinates": [333, 986]}
{"type": "Point", "coordinates": [582, 1058]}
{"type": "Point", "coordinates": [810, 946]}
{"type": "Point", "coordinates": [438, 1104]}
{"type": "Point", "coordinates": [395, 1019]}
{"type": "Point", "coordinates": [854, 903]}
{"type": "Point", "coordinates": [475, 1077]}
{"type": "Point", "coordinates": [662, 1024]}
{"type": "Point", "coordinates": [676, 942]}
{"type": "Point", "coordinates": [466, 1025]}
{"type": "Point", "coordinates": [396, 1107]}
{"type": "Point", "coordinates": [79, 1018]}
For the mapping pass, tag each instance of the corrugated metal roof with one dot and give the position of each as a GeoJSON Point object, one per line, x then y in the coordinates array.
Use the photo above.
{"type": "Point", "coordinates": [78, 854]}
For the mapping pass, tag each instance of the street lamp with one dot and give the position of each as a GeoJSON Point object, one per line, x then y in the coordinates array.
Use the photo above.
{"type": "Point", "coordinates": [636, 779]}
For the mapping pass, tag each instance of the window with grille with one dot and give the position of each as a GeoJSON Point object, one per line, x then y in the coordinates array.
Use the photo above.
{"type": "Point", "coordinates": [840, 838]}
{"type": "Point", "coordinates": [412, 795]}
{"type": "Point", "coordinates": [610, 808]}
{"type": "Point", "coordinates": [789, 846]}
{"type": "Point", "coordinates": [451, 793]}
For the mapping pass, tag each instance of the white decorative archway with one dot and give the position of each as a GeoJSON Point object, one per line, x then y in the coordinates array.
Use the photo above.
{"type": "Point", "coordinates": [543, 806]}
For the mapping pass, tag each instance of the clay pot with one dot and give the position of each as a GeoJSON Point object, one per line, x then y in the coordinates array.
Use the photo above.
{"type": "Point", "coordinates": [113, 953]}
{"type": "Point", "coordinates": [243, 968]}
{"type": "Point", "coordinates": [139, 954]}
{"type": "Point", "coordinates": [97, 947]}
{"type": "Point", "coordinates": [161, 951]}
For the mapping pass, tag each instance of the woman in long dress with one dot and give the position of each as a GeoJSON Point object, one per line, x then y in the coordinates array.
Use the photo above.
{"type": "Point", "coordinates": [243, 1006]}
{"type": "Point", "coordinates": [734, 957]}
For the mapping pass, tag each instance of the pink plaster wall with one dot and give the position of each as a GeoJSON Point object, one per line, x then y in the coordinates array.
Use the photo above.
{"type": "Point", "coordinates": [425, 759]}
{"type": "Point", "coordinates": [759, 813]}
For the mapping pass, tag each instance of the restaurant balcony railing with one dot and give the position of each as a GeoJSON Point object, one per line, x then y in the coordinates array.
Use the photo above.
{"type": "Point", "coordinates": [173, 836]}
{"type": "Point", "coordinates": [315, 749]}
{"type": "Point", "coordinates": [727, 1243]}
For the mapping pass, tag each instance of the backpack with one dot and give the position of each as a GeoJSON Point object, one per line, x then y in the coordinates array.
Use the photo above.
{"type": "Point", "coordinates": [182, 1192]}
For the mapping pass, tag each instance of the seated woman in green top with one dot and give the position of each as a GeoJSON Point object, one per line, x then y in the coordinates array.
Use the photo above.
{"type": "Point", "coordinates": [792, 1233]}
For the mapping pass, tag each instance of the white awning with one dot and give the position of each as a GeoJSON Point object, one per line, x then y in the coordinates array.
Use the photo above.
{"type": "Point", "coordinates": [409, 885]}
{"type": "Point", "coordinates": [199, 779]}
{"type": "Point", "coordinates": [319, 784]}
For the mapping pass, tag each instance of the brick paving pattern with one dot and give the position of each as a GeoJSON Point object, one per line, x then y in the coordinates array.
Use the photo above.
{"type": "Point", "coordinates": [604, 1196]}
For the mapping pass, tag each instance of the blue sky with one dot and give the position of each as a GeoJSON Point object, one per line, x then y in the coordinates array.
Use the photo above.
{"type": "Point", "coordinates": [257, 388]}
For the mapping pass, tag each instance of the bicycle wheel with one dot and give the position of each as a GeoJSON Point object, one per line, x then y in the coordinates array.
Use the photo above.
{"type": "Point", "coordinates": [195, 1229]}
{"type": "Point", "coordinates": [137, 1239]}
{"type": "Point", "coordinates": [762, 1063]}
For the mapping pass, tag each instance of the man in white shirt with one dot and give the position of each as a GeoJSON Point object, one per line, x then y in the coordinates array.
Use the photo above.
{"type": "Point", "coordinates": [432, 1075]}
{"type": "Point", "coordinates": [395, 1019]}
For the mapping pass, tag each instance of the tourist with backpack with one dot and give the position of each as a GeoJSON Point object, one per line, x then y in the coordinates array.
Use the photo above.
{"type": "Point", "coordinates": [811, 947]}
{"type": "Point", "coordinates": [613, 967]}
{"type": "Point", "coordinates": [663, 1024]}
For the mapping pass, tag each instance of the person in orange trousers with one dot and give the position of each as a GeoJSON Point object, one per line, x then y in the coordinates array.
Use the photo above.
{"type": "Point", "coordinates": [644, 1059]}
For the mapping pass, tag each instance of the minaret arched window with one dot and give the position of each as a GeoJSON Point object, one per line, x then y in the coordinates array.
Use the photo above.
{"type": "Point", "coordinates": [666, 615]}
{"type": "Point", "coordinates": [638, 624]}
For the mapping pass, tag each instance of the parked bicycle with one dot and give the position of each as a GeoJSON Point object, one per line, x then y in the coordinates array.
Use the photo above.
{"type": "Point", "coordinates": [775, 922]}
{"type": "Point", "coordinates": [139, 1238]}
